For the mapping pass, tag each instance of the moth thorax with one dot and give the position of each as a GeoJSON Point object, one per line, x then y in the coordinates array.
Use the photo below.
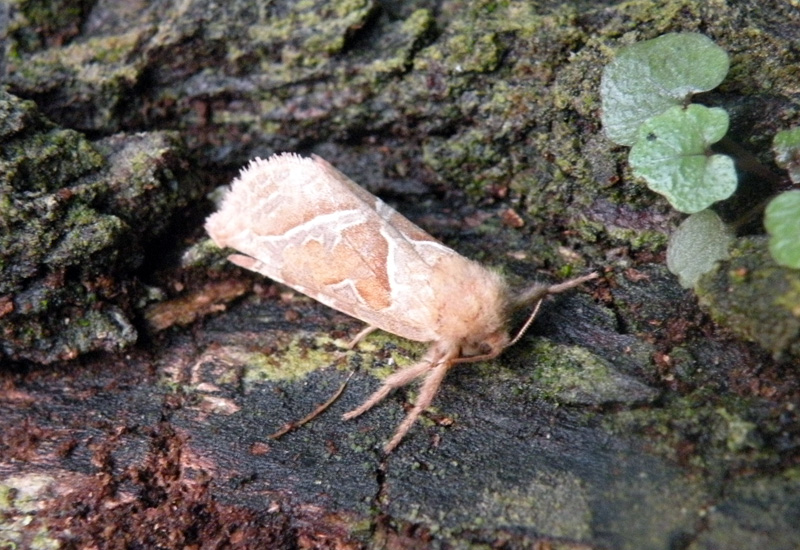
{"type": "Point", "coordinates": [471, 304]}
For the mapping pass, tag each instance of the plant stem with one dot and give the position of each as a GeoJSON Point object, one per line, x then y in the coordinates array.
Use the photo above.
{"type": "Point", "coordinates": [748, 162]}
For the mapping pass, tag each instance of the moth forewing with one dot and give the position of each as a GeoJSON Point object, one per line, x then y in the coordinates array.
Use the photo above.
{"type": "Point", "coordinates": [311, 228]}
{"type": "Point", "coordinates": [301, 222]}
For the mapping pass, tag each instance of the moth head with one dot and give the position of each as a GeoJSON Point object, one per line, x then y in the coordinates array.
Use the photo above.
{"type": "Point", "coordinates": [471, 307]}
{"type": "Point", "coordinates": [495, 338]}
{"type": "Point", "coordinates": [484, 346]}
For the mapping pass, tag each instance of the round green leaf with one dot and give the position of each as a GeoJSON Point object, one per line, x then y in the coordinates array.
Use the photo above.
{"type": "Point", "coordinates": [671, 154]}
{"type": "Point", "coordinates": [649, 77]}
{"type": "Point", "coordinates": [782, 220]}
{"type": "Point", "coordinates": [698, 243]}
{"type": "Point", "coordinates": [786, 146]}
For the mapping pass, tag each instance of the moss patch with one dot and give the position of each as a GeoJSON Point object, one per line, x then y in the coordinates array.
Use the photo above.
{"type": "Point", "coordinates": [574, 375]}
{"type": "Point", "coordinates": [755, 297]}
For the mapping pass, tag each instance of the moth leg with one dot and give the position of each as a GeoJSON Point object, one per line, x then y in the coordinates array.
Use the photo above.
{"type": "Point", "coordinates": [244, 261]}
{"type": "Point", "coordinates": [429, 389]}
{"type": "Point", "coordinates": [396, 380]}
{"type": "Point", "coordinates": [369, 329]}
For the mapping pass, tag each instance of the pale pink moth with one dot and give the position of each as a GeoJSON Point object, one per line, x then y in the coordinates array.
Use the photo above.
{"type": "Point", "coordinates": [301, 222]}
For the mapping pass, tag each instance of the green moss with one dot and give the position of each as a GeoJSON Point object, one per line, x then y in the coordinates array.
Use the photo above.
{"type": "Point", "coordinates": [86, 232]}
{"type": "Point", "coordinates": [638, 239]}
{"type": "Point", "coordinates": [570, 374]}
{"type": "Point", "coordinates": [309, 35]}
{"type": "Point", "coordinates": [299, 356]}
{"type": "Point", "coordinates": [565, 511]}
{"type": "Point", "coordinates": [106, 329]}
{"type": "Point", "coordinates": [769, 505]}
{"type": "Point", "coordinates": [469, 53]}
{"type": "Point", "coordinates": [21, 498]}
{"type": "Point", "coordinates": [205, 253]}
{"type": "Point", "coordinates": [755, 297]}
{"type": "Point", "coordinates": [531, 124]}
{"type": "Point", "coordinates": [16, 114]}
{"type": "Point", "coordinates": [96, 60]}
{"type": "Point", "coordinates": [403, 353]}
{"type": "Point", "coordinates": [65, 238]}
{"type": "Point", "coordinates": [470, 147]}
{"type": "Point", "coordinates": [790, 300]}
{"type": "Point", "coordinates": [114, 49]}
{"type": "Point", "coordinates": [706, 430]}
{"type": "Point", "coordinates": [37, 21]}
{"type": "Point", "coordinates": [293, 362]}
{"type": "Point", "coordinates": [740, 433]}
{"type": "Point", "coordinates": [7, 209]}
{"type": "Point", "coordinates": [48, 161]}
{"type": "Point", "coordinates": [54, 14]}
{"type": "Point", "coordinates": [296, 355]}
{"type": "Point", "coordinates": [411, 33]}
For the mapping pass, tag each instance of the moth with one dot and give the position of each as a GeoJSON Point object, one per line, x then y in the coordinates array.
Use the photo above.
{"type": "Point", "coordinates": [301, 222]}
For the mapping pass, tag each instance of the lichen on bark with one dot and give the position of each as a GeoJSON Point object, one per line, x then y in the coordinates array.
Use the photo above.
{"type": "Point", "coordinates": [75, 217]}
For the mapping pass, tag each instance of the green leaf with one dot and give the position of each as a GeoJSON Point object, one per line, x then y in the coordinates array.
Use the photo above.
{"type": "Point", "coordinates": [698, 243]}
{"type": "Point", "coordinates": [671, 154]}
{"type": "Point", "coordinates": [786, 146]}
{"type": "Point", "coordinates": [649, 77]}
{"type": "Point", "coordinates": [782, 220]}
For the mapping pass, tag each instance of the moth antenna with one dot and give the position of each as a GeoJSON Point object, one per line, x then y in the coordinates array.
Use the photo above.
{"type": "Point", "coordinates": [537, 293]}
{"type": "Point", "coordinates": [521, 332]}
{"type": "Point", "coordinates": [572, 283]}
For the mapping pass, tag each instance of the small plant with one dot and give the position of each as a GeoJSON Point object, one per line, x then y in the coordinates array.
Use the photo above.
{"type": "Point", "coordinates": [782, 220]}
{"type": "Point", "coordinates": [699, 242]}
{"type": "Point", "coordinates": [671, 153]}
{"type": "Point", "coordinates": [647, 78]}
{"type": "Point", "coordinates": [782, 217]}
{"type": "Point", "coordinates": [646, 92]}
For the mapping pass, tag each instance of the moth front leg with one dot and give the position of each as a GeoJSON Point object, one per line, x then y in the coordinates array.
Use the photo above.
{"type": "Point", "coordinates": [396, 380]}
{"type": "Point", "coordinates": [430, 387]}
